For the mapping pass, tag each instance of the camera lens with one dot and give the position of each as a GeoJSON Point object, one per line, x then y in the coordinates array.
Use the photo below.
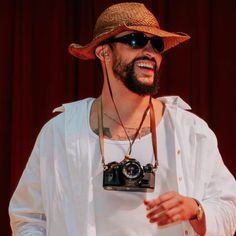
{"type": "Point", "coordinates": [132, 170]}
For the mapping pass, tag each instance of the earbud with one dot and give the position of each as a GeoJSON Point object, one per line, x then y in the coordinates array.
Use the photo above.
{"type": "Point", "coordinates": [104, 53]}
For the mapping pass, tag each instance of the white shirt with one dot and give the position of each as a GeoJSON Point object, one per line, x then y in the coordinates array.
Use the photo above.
{"type": "Point", "coordinates": [55, 195]}
{"type": "Point", "coordinates": [123, 213]}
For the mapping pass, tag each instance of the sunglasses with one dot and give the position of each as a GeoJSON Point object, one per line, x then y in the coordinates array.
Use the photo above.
{"type": "Point", "coordinates": [139, 40]}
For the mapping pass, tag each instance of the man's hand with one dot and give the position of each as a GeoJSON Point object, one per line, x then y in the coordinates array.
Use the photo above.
{"type": "Point", "coordinates": [170, 208]}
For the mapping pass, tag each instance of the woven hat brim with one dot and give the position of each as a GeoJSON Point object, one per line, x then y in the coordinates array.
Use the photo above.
{"type": "Point", "coordinates": [87, 51]}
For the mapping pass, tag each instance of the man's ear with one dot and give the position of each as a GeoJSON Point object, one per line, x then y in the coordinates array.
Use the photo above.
{"type": "Point", "coordinates": [102, 52]}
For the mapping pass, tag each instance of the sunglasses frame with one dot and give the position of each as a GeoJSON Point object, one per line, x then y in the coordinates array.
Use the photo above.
{"type": "Point", "coordinates": [132, 39]}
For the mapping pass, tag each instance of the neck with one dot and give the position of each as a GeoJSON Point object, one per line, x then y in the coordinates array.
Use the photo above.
{"type": "Point", "coordinates": [126, 101]}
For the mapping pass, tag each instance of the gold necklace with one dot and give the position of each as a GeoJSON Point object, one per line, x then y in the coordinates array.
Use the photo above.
{"type": "Point", "coordinates": [117, 122]}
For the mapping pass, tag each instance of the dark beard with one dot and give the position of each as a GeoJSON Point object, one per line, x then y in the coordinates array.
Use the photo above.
{"type": "Point", "coordinates": [125, 72]}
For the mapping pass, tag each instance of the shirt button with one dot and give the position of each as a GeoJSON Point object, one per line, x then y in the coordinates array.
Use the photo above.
{"type": "Point", "coordinates": [186, 232]}
{"type": "Point", "coordinates": [178, 151]}
{"type": "Point", "coordinates": [180, 178]}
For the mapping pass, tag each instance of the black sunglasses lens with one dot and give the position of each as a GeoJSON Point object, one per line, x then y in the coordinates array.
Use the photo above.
{"type": "Point", "coordinates": [140, 40]}
{"type": "Point", "coordinates": [157, 44]}
{"type": "Point", "coordinates": [137, 40]}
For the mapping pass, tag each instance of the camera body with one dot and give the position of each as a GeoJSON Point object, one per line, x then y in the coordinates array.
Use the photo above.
{"type": "Point", "coordinates": [129, 175]}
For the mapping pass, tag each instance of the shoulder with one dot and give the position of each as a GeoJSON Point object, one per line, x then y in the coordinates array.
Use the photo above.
{"type": "Point", "coordinates": [69, 113]}
{"type": "Point", "coordinates": [183, 119]}
{"type": "Point", "coordinates": [76, 106]}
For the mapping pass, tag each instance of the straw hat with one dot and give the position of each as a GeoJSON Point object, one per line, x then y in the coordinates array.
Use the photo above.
{"type": "Point", "coordinates": [125, 17]}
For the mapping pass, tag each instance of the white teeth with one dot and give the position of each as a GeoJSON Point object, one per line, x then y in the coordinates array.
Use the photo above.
{"type": "Point", "coordinates": [145, 65]}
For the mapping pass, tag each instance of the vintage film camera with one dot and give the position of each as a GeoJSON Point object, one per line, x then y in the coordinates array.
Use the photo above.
{"type": "Point", "coordinates": [129, 175]}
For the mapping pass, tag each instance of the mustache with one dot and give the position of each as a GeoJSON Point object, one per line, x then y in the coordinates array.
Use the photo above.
{"type": "Point", "coordinates": [144, 58]}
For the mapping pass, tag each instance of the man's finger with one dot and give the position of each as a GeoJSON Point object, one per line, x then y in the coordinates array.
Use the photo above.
{"type": "Point", "coordinates": [161, 199]}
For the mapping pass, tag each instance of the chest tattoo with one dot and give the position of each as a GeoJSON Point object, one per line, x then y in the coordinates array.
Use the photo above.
{"type": "Point", "coordinates": [121, 135]}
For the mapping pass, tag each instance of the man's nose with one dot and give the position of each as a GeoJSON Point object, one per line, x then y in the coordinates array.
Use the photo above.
{"type": "Point", "coordinates": [149, 48]}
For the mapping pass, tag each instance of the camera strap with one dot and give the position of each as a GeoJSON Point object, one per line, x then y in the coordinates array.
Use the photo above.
{"type": "Point", "coordinates": [152, 126]}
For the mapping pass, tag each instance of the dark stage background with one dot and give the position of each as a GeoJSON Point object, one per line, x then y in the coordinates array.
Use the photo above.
{"type": "Point", "coordinates": [37, 74]}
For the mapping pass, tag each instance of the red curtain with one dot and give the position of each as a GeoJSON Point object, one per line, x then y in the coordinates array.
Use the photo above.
{"type": "Point", "coordinates": [37, 74]}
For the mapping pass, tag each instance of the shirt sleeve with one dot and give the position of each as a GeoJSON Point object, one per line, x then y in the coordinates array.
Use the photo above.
{"type": "Point", "coordinates": [207, 178]}
{"type": "Point", "coordinates": [219, 202]}
{"type": "Point", "coordinates": [26, 208]}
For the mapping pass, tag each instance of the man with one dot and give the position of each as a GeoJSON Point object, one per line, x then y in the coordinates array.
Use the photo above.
{"type": "Point", "coordinates": [159, 161]}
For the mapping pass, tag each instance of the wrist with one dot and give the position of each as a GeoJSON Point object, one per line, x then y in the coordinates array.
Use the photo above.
{"type": "Point", "coordinates": [199, 212]}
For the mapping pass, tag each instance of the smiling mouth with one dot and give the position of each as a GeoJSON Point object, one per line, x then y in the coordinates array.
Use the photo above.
{"type": "Point", "coordinates": [145, 65]}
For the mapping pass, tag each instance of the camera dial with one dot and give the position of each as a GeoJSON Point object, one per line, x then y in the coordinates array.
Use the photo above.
{"type": "Point", "coordinates": [132, 170]}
